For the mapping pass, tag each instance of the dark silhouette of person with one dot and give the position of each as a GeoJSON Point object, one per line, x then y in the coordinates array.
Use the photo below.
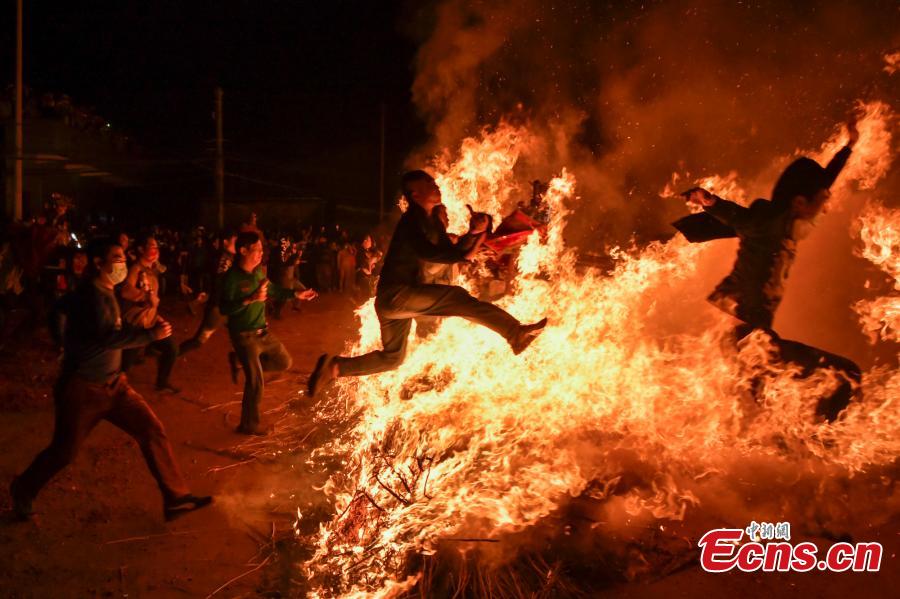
{"type": "Point", "coordinates": [768, 232]}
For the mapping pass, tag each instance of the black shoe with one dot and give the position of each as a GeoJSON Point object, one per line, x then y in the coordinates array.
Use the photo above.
{"type": "Point", "coordinates": [187, 346]}
{"type": "Point", "coordinates": [22, 509]}
{"type": "Point", "coordinates": [234, 365]}
{"type": "Point", "coordinates": [167, 388]}
{"type": "Point", "coordinates": [256, 431]}
{"type": "Point", "coordinates": [322, 375]}
{"type": "Point", "coordinates": [526, 334]}
{"type": "Point", "coordinates": [184, 504]}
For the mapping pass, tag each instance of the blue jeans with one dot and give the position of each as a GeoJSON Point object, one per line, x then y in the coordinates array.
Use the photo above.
{"type": "Point", "coordinates": [397, 306]}
{"type": "Point", "coordinates": [258, 351]}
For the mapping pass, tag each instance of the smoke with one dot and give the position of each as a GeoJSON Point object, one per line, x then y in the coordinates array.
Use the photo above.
{"type": "Point", "coordinates": [624, 94]}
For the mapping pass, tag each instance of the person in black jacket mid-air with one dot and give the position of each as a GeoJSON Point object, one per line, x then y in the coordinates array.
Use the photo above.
{"type": "Point", "coordinates": [400, 297]}
{"type": "Point", "coordinates": [768, 232]}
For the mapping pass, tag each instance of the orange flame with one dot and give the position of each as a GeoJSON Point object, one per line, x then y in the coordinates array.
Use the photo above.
{"type": "Point", "coordinates": [488, 443]}
{"type": "Point", "coordinates": [879, 230]}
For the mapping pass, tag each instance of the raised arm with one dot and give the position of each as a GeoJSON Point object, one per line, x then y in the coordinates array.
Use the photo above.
{"type": "Point", "coordinates": [839, 160]}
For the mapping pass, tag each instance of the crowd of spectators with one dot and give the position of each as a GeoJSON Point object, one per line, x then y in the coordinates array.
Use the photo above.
{"type": "Point", "coordinates": [43, 259]}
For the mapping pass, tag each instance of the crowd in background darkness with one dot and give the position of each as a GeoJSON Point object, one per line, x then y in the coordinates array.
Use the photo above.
{"type": "Point", "coordinates": [43, 259]}
{"type": "Point", "coordinates": [101, 291]}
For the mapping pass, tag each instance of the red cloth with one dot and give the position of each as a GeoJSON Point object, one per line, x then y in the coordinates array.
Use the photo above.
{"type": "Point", "coordinates": [513, 231]}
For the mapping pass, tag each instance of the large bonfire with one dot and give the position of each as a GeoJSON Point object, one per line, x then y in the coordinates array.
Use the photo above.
{"type": "Point", "coordinates": [632, 398]}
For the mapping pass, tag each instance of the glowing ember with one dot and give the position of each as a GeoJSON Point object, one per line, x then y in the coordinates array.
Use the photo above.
{"type": "Point", "coordinates": [879, 230]}
{"type": "Point", "coordinates": [489, 443]}
{"type": "Point", "coordinates": [892, 62]}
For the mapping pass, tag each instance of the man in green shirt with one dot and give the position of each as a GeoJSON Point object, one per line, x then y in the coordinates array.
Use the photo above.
{"type": "Point", "coordinates": [245, 289]}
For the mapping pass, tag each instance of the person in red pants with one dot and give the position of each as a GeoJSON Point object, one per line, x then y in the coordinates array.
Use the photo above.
{"type": "Point", "coordinates": [91, 387]}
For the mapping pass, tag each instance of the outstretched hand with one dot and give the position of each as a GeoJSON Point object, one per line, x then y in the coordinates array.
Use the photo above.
{"type": "Point", "coordinates": [262, 292]}
{"type": "Point", "coordinates": [306, 294]}
{"type": "Point", "coordinates": [698, 196]}
{"type": "Point", "coordinates": [162, 330]}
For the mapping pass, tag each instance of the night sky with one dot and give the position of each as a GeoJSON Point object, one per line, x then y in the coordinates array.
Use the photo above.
{"type": "Point", "coordinates": [303, 82]}
{"type": "Point", "coordinates": [637, 85]}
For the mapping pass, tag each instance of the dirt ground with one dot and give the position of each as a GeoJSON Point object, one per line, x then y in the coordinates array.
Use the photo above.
{"type": "Point", "coordinates": [99, 530]}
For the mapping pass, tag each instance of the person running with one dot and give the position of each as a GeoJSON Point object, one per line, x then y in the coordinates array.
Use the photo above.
{"type": "Point", "coordinates": [212, 316]}
{"type": "Point", "coordinates": [92, 387]}
{"type": "Point", "coordinates": [141, 297]}
{"type": "Point", "coordinates": [243, 301]}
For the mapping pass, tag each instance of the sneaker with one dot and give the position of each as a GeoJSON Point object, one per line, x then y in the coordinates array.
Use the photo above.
{"type": "Point", "coordinates": [235, 366]}
{"type": "Point", "coordinates": [21, 507]}
{"type": "Point", "coordinates": [167, 388]}
{"type": "Point", "coordinates": [526, 334]}
{"type": "Point", "coordinates": [188, 345]}
{"type": "Point", "coordinates": [184, 504]}
{"type": "Point", "coordinates": [255, 431]}
{"type": "Point", "coordinates": [322, 375]}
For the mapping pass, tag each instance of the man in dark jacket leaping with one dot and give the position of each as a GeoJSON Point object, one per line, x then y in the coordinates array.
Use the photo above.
{"type": "Point", "coordinates": [400, 297]}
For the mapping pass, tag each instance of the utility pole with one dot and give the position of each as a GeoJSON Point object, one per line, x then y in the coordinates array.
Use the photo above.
{"type": "Point", "coordinates": [220, 161]}
{"type": "Point", "coordinates": [380, 167]}
{"type": "Point", "coordinates": [17, 194]}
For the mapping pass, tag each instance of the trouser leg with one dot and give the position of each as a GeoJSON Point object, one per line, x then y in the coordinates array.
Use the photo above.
{"type": "Point", "coordinates": [248, 352]}
{"type": "Point", "coordinates": [274, 357]}
{"type": "Point", "coordinates": [450, 300]}
{"type": "Point", "coordinates": [810, 359]}
{"type": "Point", "coordinates": [397, 306]}
{"type": "Point", "coordinates": [348, 281]}
{"type": "Point", "coordinates": [212, 320]}
{"type": "Point", "coordinates": [79, 407]}
{"type": "Point", "coordinates": [277, 307]}
{"type": "Point", "coordinates": [168, 354]}
{"type": "Point", "coordinates": [189, 345]}
{"type": "Point", "coordinates": [132, 414]}
{"type": "Point", "coordinates": [130, 358]}
{"type": "Point", "coordinates": [394, 333]}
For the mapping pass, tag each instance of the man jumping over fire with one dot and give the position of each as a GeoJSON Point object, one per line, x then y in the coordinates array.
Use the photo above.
{"type": "Point", "coordinates": [400, 297]}
{"type": "Point", "coordinates": [768, 232]}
